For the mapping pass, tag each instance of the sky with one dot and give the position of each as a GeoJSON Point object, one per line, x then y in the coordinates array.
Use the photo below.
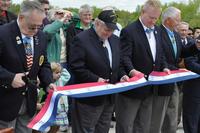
{"type": "Point", "coordinates": [128, 5]}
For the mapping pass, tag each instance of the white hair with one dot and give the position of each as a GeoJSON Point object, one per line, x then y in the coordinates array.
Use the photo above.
{"type": "Point", "coordinates": [170, 12]}
{"type": "Point", "coordinates": [85, 8]}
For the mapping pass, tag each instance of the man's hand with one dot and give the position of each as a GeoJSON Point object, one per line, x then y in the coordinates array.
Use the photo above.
{"type": "Point", "coordinates": [134, 72]}
{"type": "Point", "coordinates": [124, 78]}
{"type": "Point", "coordinates": [103, 80]}
{"type": "Point", "coordinates": [17, 81]}
{"type": "Point", "coordinates": [167, 70]}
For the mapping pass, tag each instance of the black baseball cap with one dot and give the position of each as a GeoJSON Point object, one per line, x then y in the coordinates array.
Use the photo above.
{"type": "Point", "coordinates": [109, 18]}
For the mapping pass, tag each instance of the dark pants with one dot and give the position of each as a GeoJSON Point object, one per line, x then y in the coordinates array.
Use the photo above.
{"type": "Point", "coordinates": [91, 119]}
{"type": "Point", "coordinates": [133, 115]}
{"type": "Point", "coordinates": [191, 115]}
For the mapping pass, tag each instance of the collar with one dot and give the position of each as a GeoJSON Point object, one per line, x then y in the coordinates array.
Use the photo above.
{"type": "Point", "coordinates": [171, 33]}
{"type": "Point", "coordinates": [146, 28]}
{"type": "Point", "coordinates": [79, 25]}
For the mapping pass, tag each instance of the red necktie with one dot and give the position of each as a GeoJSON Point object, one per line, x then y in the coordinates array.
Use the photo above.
{"type": "Point", "coordinates": [28, 51]}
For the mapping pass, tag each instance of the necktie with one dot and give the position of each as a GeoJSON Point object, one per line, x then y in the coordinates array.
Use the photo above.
{"type": "Point", "coordinates": [173, 40]}
{"type": "Point", "coordinates": [184, 42]}
{"type": "Point", "coordinates": [148, 31]}
{"type": "Point", "coordinates": [28, 51]}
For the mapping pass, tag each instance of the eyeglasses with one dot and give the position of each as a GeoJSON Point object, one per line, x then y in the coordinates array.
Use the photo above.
{"type": "Point", "coordinates": [59, 13]}
{"type": "Point", "coordinates": [34, 27]}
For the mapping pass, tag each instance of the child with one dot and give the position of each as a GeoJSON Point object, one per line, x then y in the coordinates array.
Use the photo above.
{"type": "Point", "coordinates": [61, 77]}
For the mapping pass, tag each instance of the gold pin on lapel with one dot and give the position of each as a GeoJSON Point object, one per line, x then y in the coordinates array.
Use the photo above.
{"type": "Point", "coordinates": [41, 60]}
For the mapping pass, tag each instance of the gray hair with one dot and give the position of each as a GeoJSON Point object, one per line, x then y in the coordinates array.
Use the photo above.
{"type": "Point", "coordinates": [170, 12]}
{"type": "Point", "coordinates": [184, 23]}
{"type": "Point", "coordinates": [97, 20]}
{"type": "Point", "coordinates": [51, 14]}
{"type": "Point", "coordinates": [85, 8]}
{"type": "Point", "coordinates": [152, 3]}
{"type": "Point", "coordinates": [28, 6]}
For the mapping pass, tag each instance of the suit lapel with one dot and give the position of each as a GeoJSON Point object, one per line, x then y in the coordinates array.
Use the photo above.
{"type": "Point", "coordinates": [99, 46]}
{"type": "Point", "coordinates": [157, 38]}
{"type": "Point", "coordinates": [18, 43]}
{"type": "Point", "coordinates": [177, 45]}
{"type": "Point", "coordinates": [144, 39]}
{"type": "Point", "coordinates": [168, 42]}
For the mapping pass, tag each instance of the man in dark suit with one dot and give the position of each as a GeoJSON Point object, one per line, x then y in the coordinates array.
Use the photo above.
{"type": "Point", "coordinates": [165, 104]}
{"type": "Point", "coordinates": [141, 53]}
{"type": "Point", "coordinates": [23, 59]}
{"type": "Point", "coordinates": [5, 15]}
{"type": "Point", "coordinates": [191, 97]}
{"type": "Point", "coordinates": [182, 29]}
{"type": "Point", "coordinates": [94, 57]}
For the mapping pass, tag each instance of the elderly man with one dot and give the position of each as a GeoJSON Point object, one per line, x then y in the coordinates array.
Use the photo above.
{"type": "Point", "coordinates": [182, 29]}
{"type": "Point", "coordinates": [165, 104]}
{"type": "Point", "coordinates": [141, 53]}
{"type": "Point", "coordinates": [5, 15]}
{"type": "Point", "coordinates": [23, 59]}
{"type": "Point", "coordinates": [94, 57]}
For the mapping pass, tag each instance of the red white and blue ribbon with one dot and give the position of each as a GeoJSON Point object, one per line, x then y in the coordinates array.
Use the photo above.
{"type": "Point", "coordinates": [46, 116]}
{"type": "Point", "coordinates": [156, 78]}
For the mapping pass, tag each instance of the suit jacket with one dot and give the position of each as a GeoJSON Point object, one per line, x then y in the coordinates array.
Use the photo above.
{"type": "Point", "coordinates": [13, 60]}
{"type": "Point", "coordinates": [191, 88]}
{"type": "Point", "coordinates": [89, 62]}
{"type": "Point", "coordinates": [136, 54]}
{"type": "Point", "coordinates": [172, 60]}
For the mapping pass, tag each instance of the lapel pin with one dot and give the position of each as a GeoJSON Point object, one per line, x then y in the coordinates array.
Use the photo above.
{"type": "Point", "coordinates": [36, 40]}
{"type": "Point", "coordinates": [18, 40]}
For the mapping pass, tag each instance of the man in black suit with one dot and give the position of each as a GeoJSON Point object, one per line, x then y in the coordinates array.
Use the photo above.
{"type": "Point", "coordinates": [191, 97]}
{"type": "Point", "coordinates": [165, 104]}
{"type": "Point", "coordinates": [23, 59]}
{"type": "Point", "coordinates": [182, 29]}
{"type": "Point", "coordinates": [5, 15]}
{"type": "Point", "coordinates": [94, 57]}
{"type": "Point", "coordinates": [141, 53]}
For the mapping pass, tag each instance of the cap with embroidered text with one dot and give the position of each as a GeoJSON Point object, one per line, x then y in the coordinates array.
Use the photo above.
{"type": "Point", "coordinates": [109, 18]}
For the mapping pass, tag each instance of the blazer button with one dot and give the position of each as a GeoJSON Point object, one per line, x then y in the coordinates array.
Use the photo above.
{"type": "Point", "coordinates": [23, 93]}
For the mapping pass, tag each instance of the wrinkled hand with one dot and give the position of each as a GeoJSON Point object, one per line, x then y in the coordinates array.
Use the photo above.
{"type": "Point", "coordinates": [17, 81]}
{"type": "Point", "coordinates": [167, 70]}
{"type": "Point", "coordinates": [103, 80]}
{"type": "Point", "coordinates": [124, 78]}
{"type": "Point", "coordinates": [134, 72]}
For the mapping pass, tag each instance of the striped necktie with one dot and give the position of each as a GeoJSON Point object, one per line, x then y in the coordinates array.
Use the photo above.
{"type": "Point", "coordinates": [28, 51]}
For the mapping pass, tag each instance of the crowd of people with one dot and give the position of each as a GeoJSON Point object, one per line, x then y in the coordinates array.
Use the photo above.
{"type": "Point", "coordinates": [43, 47]}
